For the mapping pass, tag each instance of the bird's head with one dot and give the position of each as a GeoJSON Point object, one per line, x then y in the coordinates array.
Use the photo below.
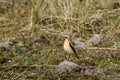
{"type": "Point", "coordinates": [66, 37]}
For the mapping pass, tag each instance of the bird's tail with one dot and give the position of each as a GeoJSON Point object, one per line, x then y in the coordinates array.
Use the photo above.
{"type": "Point", "coordinates": [76, 55]}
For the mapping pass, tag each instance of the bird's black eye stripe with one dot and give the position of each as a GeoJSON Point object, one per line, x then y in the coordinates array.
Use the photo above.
{"type": "Point", "coordinates": [64, 38]}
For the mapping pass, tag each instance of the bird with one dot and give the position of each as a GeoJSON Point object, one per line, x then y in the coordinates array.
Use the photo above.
{"type": "Point", "coordinates": [68, 47]}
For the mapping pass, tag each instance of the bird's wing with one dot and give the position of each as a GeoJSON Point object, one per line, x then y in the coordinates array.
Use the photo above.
{"type": "Point", "coordinates": [71, 42]}
{"type": "Point", "coordinates": [71, 45]}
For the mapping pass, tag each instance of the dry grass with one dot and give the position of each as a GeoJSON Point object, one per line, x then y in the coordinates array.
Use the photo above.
{"type": "Point", "coordinates": [39, 26]}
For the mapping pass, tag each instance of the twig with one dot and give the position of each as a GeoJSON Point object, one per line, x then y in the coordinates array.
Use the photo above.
{"type": "Point", "coordinates": [99, 48]}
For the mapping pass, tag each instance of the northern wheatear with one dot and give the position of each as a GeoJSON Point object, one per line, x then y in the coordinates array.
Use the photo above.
{"type": "Point", "coordinates": [68, 46]}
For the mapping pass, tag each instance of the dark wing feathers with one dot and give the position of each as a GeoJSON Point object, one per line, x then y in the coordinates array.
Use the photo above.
{"type": "Point", "coordinates": [71, 45]}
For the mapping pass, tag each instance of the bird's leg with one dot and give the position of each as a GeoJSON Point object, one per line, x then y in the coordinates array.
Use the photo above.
{"type": "Point", "coordinates": [68, 57]}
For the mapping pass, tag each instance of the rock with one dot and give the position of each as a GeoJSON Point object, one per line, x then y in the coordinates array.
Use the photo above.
{"type": "Point", "coordinates": [81, 43]}
{"type": "Point", "coordinates": [6, 45]}
{"type": "Point", "coordinates": [67, 66]}
{"type": "Point", "coordinates": [95, 39]}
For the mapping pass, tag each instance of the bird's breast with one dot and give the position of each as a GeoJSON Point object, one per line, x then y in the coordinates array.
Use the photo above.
{"type": "Point", "coordinates": [67, 47]}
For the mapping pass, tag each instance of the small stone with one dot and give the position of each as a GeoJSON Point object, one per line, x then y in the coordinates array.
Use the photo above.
{"type": "Point", "coordinates": [6, 45]}
{"type": "Point", "coordinates": [20, 44]}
